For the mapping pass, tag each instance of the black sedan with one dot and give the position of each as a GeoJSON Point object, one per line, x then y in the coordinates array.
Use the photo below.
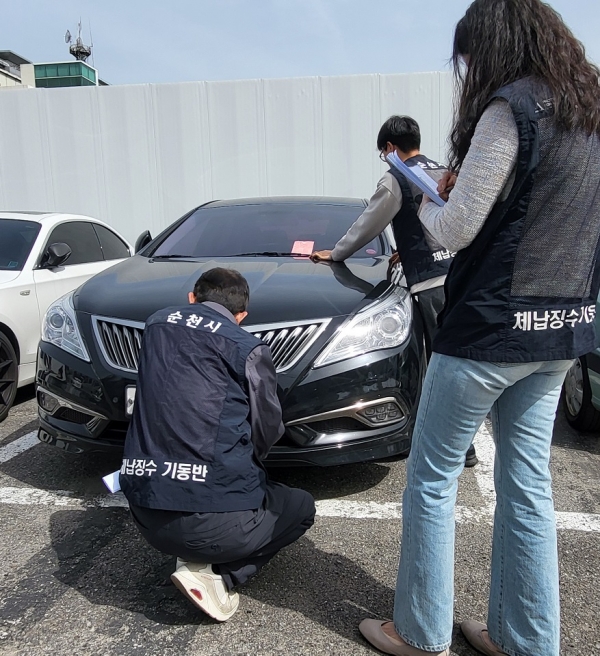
{"type": "Point", "coordinates": [347, 348]}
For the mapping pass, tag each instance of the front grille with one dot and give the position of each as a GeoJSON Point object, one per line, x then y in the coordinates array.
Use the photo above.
{"type": "Point", "coordinates": [288, 342]}
{"type": "Point", "coordinates": [120, 341]}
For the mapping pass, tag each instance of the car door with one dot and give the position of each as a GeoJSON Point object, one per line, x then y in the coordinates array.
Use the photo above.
{"type": "Point", "coordinates": [113, 247]}
{"type": "Point", "coordinates": [85, 261]}
{"type": "Point", "coordinates": [18, 301]}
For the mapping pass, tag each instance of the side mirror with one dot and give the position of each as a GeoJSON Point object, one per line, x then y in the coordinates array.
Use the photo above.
{"type": "Point", "coordinates": [56, 254]}
{"type": "Point", "coordinates": [142, 241]}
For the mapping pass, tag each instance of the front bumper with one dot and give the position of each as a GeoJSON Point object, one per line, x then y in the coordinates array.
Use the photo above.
{"type": "Point", "coordinates": [364, 450]}
{"type": "Point", "coordinates": [346, 453]}
{"type": "Point", "coordinates": [90, 412]}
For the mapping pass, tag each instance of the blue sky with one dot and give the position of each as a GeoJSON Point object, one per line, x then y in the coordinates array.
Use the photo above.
{"type": "Point", "coordinates": [139, 41]}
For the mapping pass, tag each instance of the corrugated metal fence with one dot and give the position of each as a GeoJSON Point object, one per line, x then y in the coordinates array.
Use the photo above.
{"type": "Point", "coordinates": [140, 156]}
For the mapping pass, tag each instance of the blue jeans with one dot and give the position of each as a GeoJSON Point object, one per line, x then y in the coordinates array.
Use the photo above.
{"type": "Point", "coordinates": [523, 615]}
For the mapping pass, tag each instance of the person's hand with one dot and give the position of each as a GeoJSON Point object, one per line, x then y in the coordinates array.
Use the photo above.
{"type": "Point", "coordinates": [321, 256]}
{"type": "Point", "coordinates": [446, 185]}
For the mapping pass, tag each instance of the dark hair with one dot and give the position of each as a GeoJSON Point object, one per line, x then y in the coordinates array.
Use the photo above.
{"type": "Point", "coordinates": [401, 131]}
{"type": "Point", "coordinates": [224, 286]}
{"type": "Point", "coordinates": [507, 40]}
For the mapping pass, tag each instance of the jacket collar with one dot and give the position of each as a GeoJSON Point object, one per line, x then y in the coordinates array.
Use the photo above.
{"type": "Point", "coordinates": [217, 307]}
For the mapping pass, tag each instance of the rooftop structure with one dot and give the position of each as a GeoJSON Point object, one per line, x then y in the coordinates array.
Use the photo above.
{"type": "Point", "coordinates": [10, 68]}
{"type": "Point", "coordinates": [16, 71]}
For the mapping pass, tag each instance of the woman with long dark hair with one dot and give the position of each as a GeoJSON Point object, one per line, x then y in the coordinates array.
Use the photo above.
{"type": "Point", "coordinates": [524, 219]}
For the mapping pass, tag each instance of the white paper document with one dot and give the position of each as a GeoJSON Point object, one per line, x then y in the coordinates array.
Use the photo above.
{"type": "Point", "coordinates": [112, 481]}
{"type": "Point", "coordinates": [418, 177]}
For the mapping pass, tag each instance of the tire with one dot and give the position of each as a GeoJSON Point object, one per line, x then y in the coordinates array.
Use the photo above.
{"type": "Point", "coordinates": [9, 375]}
{"type": "Point", "coordinates": [579, 410]}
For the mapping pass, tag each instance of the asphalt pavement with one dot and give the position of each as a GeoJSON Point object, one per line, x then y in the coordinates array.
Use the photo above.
{"type": "Point", "coordinates": [77, 579]}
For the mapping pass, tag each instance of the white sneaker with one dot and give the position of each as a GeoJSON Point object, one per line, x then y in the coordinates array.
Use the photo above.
{"type": "Point", "coordinates": [205, 589]}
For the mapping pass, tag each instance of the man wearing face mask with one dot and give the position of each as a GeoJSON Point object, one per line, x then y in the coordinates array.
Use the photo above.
{"type": "Point", "coordinates": [396, 201]}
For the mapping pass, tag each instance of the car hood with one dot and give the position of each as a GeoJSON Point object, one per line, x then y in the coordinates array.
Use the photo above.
{"type": "Point", "coordinates": [8, 276]}
{"type": "Point", "coordinates": [281, 289]}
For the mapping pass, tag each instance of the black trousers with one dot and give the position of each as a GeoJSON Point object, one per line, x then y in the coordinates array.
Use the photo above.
{"type": "Point", "coordinates": [430, 303]}
{"type": "Point", "coordinates": [237, 544]}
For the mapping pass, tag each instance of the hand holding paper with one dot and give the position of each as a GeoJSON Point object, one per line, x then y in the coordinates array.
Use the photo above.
{"type": "Point", "coordinates": [446, 184]}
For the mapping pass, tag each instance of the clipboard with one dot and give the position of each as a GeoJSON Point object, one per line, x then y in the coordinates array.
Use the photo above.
{"type": "Point", "coordinates": [418, 177]}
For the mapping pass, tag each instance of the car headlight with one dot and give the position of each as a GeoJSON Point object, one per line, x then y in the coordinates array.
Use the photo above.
{"type": "Point", "coordinates": [60, 327]}
{"type": "Point", "coordinates": [382, 325]}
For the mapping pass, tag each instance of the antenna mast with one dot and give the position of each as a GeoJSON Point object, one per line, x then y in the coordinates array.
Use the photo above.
{"type": "Point", "coordinates": [78, 48]}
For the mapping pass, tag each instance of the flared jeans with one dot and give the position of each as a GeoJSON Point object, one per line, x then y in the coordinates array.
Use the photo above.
{"type": "Point", "coordinates": [523, 612]}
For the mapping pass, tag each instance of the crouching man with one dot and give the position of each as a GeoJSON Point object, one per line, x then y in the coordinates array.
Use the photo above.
{"type": "Point", "coordinates": [206, 414]}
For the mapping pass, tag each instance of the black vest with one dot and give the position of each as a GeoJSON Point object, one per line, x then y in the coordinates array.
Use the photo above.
{"type": "Point", "coordinates": [419, 261]}
{"type": "Point", "coordinates": [525, 289]}
{"type": "Point", "coordinates": [189, 447]}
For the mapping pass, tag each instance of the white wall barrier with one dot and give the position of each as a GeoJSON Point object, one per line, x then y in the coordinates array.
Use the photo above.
{"type": "Point", "coordinates": [140, 156]}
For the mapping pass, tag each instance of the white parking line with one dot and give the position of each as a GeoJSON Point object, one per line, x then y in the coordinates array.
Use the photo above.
{"type": "Point", "coordinates": [586, 522]}
{"type": "Point", "coordinates": [27, 496]}
{"type": "Point", "coordinates": [18, 446]}
{"type": "Point", "coordinates": [336, 508]}
{"type": "Point", "coordinates": [373, 510]}
{"type": "Point", "coordinates": [484, 474]}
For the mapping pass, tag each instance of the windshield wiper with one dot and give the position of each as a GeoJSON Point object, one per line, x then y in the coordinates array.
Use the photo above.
{"type": "Point", "coordinates": [269, 254]}
{"type": "Point", "coordinates": [256, 254]}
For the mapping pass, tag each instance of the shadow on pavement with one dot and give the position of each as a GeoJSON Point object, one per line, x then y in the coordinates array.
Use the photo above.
{"type": "Point", "coordinates": [327, 588]}
{"type": "Point", "coordinates": [100, 554]}
{"type": "Point", "coordinates": [50, 468]}
{"type": "Point", "coordinates": [332, 482]}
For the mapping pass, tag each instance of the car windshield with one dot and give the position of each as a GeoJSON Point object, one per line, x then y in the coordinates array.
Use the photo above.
{"type": "Point", "coordinates": [16, 241]}
{"type": "Point", "coordinates": [270, 229]}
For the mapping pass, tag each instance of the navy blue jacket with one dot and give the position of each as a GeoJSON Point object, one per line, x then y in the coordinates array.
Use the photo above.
{"type": "Point", "coordinates": [525, 289]}
{"type": "Point", "coordinates": [203, 418]}
{"type": "Point", "coordinates": [419, 261]}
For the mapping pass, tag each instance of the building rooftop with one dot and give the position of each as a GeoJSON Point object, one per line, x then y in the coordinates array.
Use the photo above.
{"type": "Point", "coordinates": [13, 58]}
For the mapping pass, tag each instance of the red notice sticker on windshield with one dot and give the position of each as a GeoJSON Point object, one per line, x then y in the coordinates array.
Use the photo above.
{"type": "Point", "coordinates": [303, 247]}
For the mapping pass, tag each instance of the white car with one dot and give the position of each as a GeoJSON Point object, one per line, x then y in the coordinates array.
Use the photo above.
{"type": "Point", "coordinates": [43, 256]}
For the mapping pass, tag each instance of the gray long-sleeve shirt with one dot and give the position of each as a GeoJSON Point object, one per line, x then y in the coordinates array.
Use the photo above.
{"type": "Point", "coordinates": [265, 410]}
{"type": "Point", "coordinates": [383, 206]}
{"type": "Point", "coordinates": [486, 176]}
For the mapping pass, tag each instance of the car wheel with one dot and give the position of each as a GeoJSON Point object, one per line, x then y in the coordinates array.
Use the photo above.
{"type": "Point", "coordinates": [579, 410]}
{"type": "Point", "coordinates": [9, 370]}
